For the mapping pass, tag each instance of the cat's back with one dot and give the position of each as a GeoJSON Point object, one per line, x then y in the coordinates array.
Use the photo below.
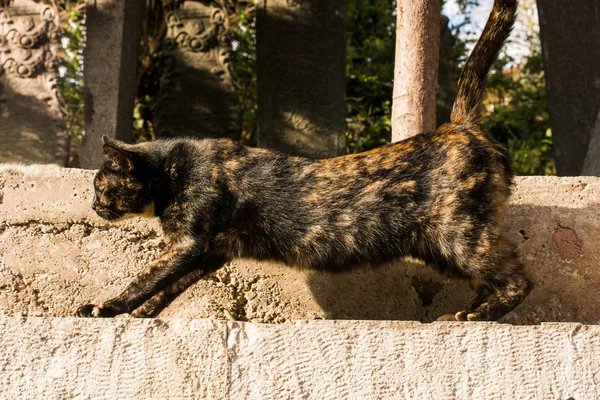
{"type": "Point", "coordinates": [342, 210]}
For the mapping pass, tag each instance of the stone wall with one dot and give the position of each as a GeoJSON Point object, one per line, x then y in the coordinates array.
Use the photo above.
{"type": "Point", "coordinates": [203, 359]}
{"type": "Point", "coordinates": [56, 254]}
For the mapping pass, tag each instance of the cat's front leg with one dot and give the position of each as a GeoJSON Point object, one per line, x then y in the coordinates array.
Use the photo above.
{"type": "Point", "coordinates": [153, 306]}
{"type": "Point", "coordinates": [171, 265]}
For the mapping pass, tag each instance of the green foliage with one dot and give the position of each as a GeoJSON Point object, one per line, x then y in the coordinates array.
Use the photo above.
{"type": "Point", "coordinates": [369, 73]}
{"type": "Point", "coordinates": [70, 67]}
{"type": "Point", "coordinates": [243, 60]}
{"type": "Point", "coordinates": [517, 114]}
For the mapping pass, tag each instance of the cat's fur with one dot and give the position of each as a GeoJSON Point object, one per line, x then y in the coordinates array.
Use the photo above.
{"type": "Point", "coordinates": [439, 196]}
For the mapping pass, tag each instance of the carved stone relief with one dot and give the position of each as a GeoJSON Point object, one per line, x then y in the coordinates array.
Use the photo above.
{"type": "Point", "coordinates": [197, 95]}
{"type": "Point", "coordinates": [31, 129]}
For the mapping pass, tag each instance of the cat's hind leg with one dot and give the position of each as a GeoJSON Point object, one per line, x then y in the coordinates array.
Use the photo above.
{"type": "Point", "coordinates": [482, 294]}
{"type": "Point", "coordinates": [500, 282]}
{"type": "Point", "coordinates": [503, 297]}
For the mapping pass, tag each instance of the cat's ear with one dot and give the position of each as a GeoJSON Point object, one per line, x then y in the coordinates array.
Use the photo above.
{"type": "Point", "coordinates": [119, 153]}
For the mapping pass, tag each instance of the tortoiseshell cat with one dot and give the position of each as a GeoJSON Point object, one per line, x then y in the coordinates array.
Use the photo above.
{"type": "Point", "coordinates": [439, 196]}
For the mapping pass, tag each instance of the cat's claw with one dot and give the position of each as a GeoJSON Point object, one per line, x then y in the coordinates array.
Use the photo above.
{"type": "Point", "coordinates": [447, 317]}
{"type": "Point", "coordinates": [92, 311]}
{"type": "Point", "coordinates": [459, 316]}
{"type": "Point", "coordinates": [143, 313]}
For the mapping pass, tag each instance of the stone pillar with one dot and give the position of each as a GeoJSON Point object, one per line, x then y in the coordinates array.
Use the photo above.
{"type": "Point", "coordinates": [571, 45]}
{"type": "Point", "coordinates": [114, 29]}
{"type": "Point", "coordinates": [31, 126]}
{"type": "Point", "coordinates": [197, 96]}
{"type": "Point", "coordinates": [301, 61]}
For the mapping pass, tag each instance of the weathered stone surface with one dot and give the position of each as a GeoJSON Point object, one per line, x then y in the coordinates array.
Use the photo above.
{"type": "Point", "coordinates": [55, 254]}
{"type": "Point", "coordinates": [31, 126]}
{"type": "Point", "coordinates": [301, 47]}
{"type": "Point", "coordinates": [197, 96]}
{"type": "Point", "coordinates": [132, 359]}
{"type": "Point", "coordinates": [113, 32]}
{"type": "Point", "coordinates": [74, 358]}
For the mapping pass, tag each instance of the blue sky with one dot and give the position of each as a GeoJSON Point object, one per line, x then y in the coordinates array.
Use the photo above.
{"type": "Point", "coordinates": [517, 45]}
{"type": "Point", "coordinates": [478, 17]}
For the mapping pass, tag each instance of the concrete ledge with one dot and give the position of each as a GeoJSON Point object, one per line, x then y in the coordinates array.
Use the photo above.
{"type": "Point", "coordinates": [126, 358]}
{"type": "Point", "coordinates": [55, 254]}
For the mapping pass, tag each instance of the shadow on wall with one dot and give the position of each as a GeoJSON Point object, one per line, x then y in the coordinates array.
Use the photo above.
{"type": "Point", "coordinates": [195, 102]}
{"type": "Point", "coordinates": [557, 247]}
{"type": "Point", "coordinates": [30, 132]}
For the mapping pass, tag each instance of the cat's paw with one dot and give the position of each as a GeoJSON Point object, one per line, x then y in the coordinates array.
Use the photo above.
{"type": "Point", "coordinates": [143, 312]}
{"type": "Point", "coordinates": [93, 311]}
{"type": "Point", "coordinates": [447, 317]}
{"type": "Point", "coordinates": [459, 316]}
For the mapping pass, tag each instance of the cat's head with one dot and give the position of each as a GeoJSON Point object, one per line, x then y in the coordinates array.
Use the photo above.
{"type": "Point", "coordinates": [123, 184]}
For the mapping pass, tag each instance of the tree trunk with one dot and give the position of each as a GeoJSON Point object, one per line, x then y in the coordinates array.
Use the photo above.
{"type": "Point", "coordinates": [570, 36]}
{"type": "Point", "coordinates": [416, 67]}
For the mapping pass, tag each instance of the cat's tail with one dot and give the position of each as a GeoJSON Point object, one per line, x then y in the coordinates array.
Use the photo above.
{"type": "Point", "coordinates": [473, 79]}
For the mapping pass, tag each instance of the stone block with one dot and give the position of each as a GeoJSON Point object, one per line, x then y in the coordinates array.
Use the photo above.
{"type": "Point", "coordinates": [159, 359]}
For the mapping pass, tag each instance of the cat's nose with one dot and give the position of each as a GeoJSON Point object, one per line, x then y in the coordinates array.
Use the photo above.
{"type": "Point", "coordinates": [94, 202]}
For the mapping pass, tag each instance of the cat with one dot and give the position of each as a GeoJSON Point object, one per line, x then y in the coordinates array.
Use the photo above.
{"type": "Point", "coordinates": [439, 196]}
